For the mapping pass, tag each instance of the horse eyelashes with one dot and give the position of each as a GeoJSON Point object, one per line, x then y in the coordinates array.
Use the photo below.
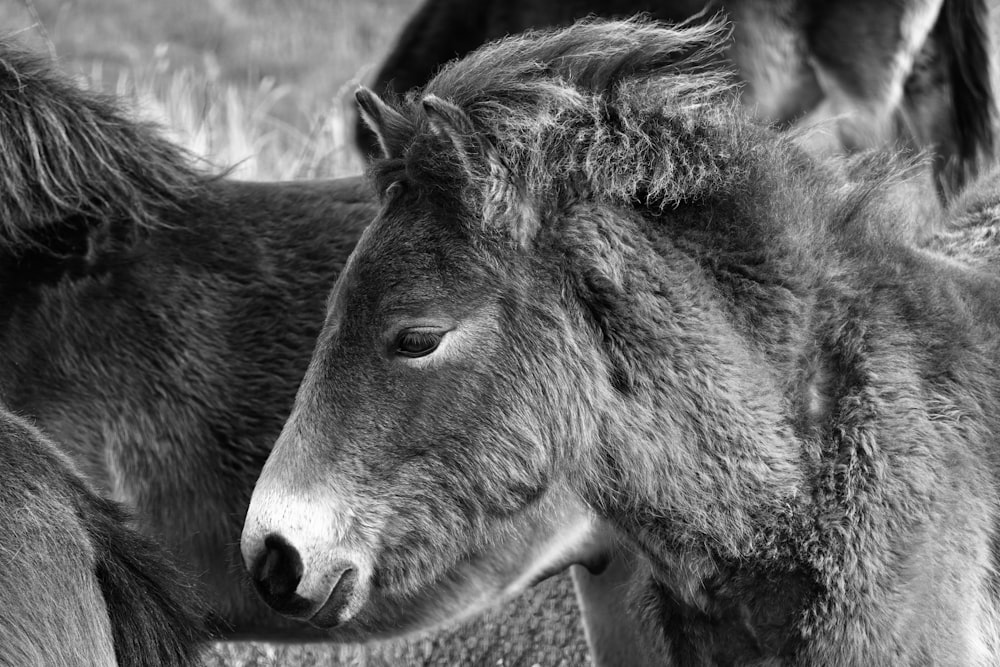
{"type": "Point", "coordinates": [417, 343]}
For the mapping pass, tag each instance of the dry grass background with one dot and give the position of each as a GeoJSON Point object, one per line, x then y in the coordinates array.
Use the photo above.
{"type": "Point", "coordinates": [263, 84]}
{"type": "Point", "coordinates": [266, 85]}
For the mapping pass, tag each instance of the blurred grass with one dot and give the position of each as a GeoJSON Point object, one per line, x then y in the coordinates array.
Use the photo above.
{"type": "Point", "coordinates": [244, 127]}
{"type": "Point", "coordinates": [264, 84]}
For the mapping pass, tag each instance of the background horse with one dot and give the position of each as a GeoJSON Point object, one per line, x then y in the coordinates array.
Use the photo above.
{"type": "Point", "coordinates": [156, 322]}
{"type": "Point", "coordinates": [914, 72]}
{"type": "Point", "coordinates": [595, 282]}
{"type": "Point", "coordinates": [971, 233]}
{"type": "Point", "coordinates": [78, 587]}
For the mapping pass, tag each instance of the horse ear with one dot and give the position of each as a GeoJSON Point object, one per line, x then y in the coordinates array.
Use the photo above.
{"type": "Point", "coordinates": [391, 127]}
{"type": "Point", "coordinates": [452, 124]}
{"type": "Point", "coordinates": [448, 121]}
{"type": "Point", "coordinates": [506, 199]}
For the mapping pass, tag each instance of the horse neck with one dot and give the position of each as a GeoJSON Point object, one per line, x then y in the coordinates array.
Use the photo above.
{"type": "Point", "coordinates": [165, 348]}
{"type": "Point", "coordinates": [696, 443]}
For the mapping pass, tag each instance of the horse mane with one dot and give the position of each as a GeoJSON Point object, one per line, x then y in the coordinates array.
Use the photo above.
{"type": "Point", "coordinates": [966, 27]}
{"type": "Point", "coordinates": [67, 153]}
{"type": "Point", "coordinates": [627, 111]}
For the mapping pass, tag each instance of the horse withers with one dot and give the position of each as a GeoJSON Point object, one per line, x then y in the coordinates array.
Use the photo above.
{"type": "Point", "coordinates": [156, 321]}
{"type": "Point", "coordinates": [78, 586]}
{"type": "Point", "coordinates": [597, 284]}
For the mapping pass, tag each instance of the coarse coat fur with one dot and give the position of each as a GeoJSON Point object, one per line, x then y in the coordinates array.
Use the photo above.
{"type": "Point", "coordinates": [79, 587]}
{"type": "Point", "coordinates": [595, 278]}
{"type": "Point", "coordinates": [917, 72]}
{"type": "Point", "coordinates": [970, 234]}
{"type": "Point", "coordinates": [155, 322]}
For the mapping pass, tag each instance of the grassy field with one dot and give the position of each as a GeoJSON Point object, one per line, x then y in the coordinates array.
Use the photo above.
{"type": "Point", "coordinates": [266, 85]}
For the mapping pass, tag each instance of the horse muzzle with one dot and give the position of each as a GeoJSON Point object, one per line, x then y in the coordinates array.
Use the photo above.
{"type": "Point", "coordinates": [302, 560]}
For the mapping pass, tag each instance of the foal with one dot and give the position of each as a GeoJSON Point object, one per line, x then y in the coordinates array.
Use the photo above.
{"type": "Point", "coordinates": [599, 295]}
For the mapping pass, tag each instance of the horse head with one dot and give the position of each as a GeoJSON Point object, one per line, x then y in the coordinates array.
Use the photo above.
{"type": "Point", "coordinates": [462, 386]}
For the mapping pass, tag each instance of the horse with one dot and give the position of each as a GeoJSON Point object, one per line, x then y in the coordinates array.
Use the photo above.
{"type": "Point", "coordinates": [596, 282]}
{"type": "Point", "coordinates": [914, 72]}
{"type": "Point", "coordinates": [79, 587]}
{"type": "Point", "coordinates": [972, 222]}
{"type": "Point", "coordinates": [156, 320]}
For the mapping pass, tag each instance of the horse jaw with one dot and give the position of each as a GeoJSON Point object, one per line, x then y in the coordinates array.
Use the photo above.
{"type": "Point", "coordinates": [557, 531]}
{"type": "Point", "coordinates": [587, 542]}
{"type": "Point", "coordinates": [573, 536]}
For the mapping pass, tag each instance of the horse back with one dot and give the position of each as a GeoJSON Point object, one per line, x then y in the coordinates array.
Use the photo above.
{"type": "Point", "coordinates": [270, 231]}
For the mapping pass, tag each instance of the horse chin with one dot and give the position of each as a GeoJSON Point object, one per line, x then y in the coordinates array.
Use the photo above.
{"type": "Point", "coordinates": [461, 594]}
{"type": "Point", "coordinates": [343, 602]}
{"type": "Point", "coordinates": [473, 584]}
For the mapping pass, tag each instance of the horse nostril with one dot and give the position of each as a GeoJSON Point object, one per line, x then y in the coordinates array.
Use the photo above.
{"type": "Point", "coordinates": [277, 571]}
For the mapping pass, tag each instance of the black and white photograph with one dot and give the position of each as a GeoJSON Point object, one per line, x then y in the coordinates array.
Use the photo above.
{"type": "Point", "coordinates": [500, 333]}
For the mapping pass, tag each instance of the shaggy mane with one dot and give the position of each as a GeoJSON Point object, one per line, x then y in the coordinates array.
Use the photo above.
{"type": "Point", "coordinates": [628, 111]}
{"type": "Point", "coordinates": [68, 153]}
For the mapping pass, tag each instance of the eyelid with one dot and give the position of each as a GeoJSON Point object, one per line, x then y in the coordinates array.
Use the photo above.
{"type": "Point", "coordinates": [423, 324]}
{"type": "Point", "coordinates": [395, 189]}
{"type": "Point", "coordinates": [463, 337]}
{"type": "Point", "coordinates": [441, 332]}
{"type": "Point", "coordinates": [424, 328]}
{"type": "Point", "coordinates": [436, 329]}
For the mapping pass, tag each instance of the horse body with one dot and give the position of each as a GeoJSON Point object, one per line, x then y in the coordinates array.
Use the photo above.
{"type": "Point", "coordinates": [79, 588]}
{"type": "Point", "coordinates": [915, 72]}
{"type": "Point", "coordinates": [156, 322]}
{"type": "Point", "coordinates": [593, 279]}
{"type": "Point", "coordinates": [218, 291]}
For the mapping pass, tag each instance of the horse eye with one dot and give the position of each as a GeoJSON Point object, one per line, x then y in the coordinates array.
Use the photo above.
{"type": "Point", "coordinates": [395, 189]}
{"type": "Point", "coordinates": [417, 343]}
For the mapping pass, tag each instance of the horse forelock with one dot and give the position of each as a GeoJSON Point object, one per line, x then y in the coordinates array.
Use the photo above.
{"type": "Point", "coordinates": [625, 111]}
{"type": "Point", "coordinates": [69, 153]}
